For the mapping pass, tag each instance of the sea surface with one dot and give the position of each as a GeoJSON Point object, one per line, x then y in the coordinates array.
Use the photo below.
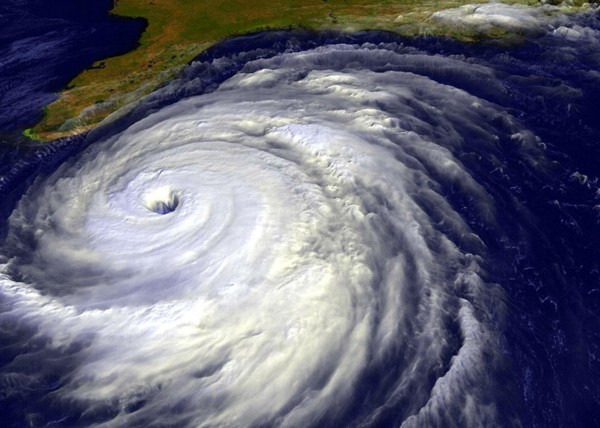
{"type": "Point", "coordinates": [45, 44]}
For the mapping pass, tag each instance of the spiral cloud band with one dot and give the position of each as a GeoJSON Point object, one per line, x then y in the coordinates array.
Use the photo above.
{"type": "Point", "coordinates": [256, 255]}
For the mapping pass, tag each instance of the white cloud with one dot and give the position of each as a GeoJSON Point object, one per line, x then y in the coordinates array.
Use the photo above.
{"type": "Point", "coordinates": [305, 248]}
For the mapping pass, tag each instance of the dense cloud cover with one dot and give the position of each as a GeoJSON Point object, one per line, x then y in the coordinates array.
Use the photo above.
{"type": "Point", "coordinates": [280, 251]}
{"type": "Point", "coordinates": [487, 17]}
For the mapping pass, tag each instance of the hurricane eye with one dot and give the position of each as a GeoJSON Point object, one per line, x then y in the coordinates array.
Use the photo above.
{"type": "Point", "coordinates": [162, 201]}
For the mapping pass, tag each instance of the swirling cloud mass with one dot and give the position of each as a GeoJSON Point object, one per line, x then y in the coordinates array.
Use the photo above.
{"type": "Point", "coordinates": [280, 251]}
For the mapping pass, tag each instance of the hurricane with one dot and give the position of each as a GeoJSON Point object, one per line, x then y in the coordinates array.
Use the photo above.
{"type": "Point", "coordinates": [316, 239]}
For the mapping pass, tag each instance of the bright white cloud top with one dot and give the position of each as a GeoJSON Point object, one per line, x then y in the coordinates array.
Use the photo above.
{"type": "Point", "coordinates": [253, 255]}
{"type": "Point", "coordinates": [483, 18]}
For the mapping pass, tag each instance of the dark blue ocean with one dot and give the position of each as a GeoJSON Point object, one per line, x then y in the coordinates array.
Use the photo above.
{"type": "Point", "coordinates": [546, 257]}
{"type": "Point", "coordinates": [43, 45]}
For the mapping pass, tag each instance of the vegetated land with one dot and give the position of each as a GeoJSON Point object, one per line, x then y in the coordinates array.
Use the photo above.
{"type": "Point", "coordinates": [178, 30]}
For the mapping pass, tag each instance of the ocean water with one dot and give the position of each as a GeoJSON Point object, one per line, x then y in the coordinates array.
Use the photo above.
{"type": "Point", "coordinates": [317, 229]}
{"type": "Point", "coordinates": [43, 45]}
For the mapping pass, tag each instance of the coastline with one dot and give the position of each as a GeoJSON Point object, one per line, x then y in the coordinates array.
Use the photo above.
{"type": "Point", "coordinates": [165, 49]}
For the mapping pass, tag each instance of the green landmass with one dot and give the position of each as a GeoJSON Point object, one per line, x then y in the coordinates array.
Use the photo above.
{"type": "Point", "coordinates": [179, 30]}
